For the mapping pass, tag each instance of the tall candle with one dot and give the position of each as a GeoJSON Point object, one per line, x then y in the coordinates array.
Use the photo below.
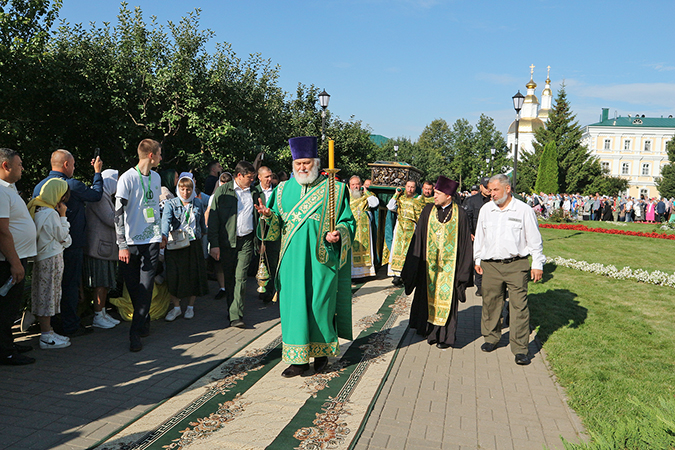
{"type": "Point", "coordinates": [331, 154]}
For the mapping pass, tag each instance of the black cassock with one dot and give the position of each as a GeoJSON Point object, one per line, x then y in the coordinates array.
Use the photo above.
{"type": "Point", "coordinates": [414, 275]}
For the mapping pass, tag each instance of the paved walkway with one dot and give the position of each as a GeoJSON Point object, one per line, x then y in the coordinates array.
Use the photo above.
{"type": "Point", "coordinates": [463, 398]}
{"type": "Point", "coordinates": [456, 398]}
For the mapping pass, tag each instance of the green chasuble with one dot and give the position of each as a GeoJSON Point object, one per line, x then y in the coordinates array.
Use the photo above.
{"type": "Point", "coordinates": [362, 261]}
{"type": "Point", "coordinates": [313, 277]}
{"type": "Point", "coordinates": [441, 262]}
{"type": "Point", "coordinates": [408, 211]}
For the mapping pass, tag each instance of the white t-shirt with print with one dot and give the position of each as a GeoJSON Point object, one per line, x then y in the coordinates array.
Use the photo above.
{"type": "Point", "coordinates": [21, 224]}
{"type": "Point", "coordinates": [136, 229]}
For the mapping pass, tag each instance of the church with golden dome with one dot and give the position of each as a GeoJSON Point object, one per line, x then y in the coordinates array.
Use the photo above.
{"type": "Point", "coordinates": [532, 116]}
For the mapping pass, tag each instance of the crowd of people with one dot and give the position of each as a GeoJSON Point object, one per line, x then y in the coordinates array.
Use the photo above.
{"type": "Point", "coordinates": [623, 208]}
{"type": "Point", "coordinates": [142, 224]}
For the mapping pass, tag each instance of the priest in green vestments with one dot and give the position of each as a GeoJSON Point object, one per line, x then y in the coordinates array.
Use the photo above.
{"type": "Point", "coordinates": [408, 209]}
{"type": "Point", "coordinates": [314, 274]}
{"type": "Point", "coordinates": [362, 202]}
{"type": "Point", "coordinates": [439, 266]}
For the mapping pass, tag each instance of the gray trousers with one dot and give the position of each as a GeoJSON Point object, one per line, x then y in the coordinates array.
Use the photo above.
{"type": "Point", "coordinates": [513, 276]}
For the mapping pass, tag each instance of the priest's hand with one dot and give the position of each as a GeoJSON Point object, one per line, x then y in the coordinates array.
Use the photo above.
{"type": "Point", "coordinates": [333, 237]}
{"type": "Point", "coordinates": [215, 253]}
{"type": "Point", "coordinates": [262, 209]}
{"type": "Point", "coordinates": [536, 274]}
{"type": "Point", "coordinates": [479, 269]}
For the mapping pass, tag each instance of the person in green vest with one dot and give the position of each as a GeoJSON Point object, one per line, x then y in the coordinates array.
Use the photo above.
{"type": "Point", "coordinates": [313, 279]}
{"type": "Point", "coordinates": [439, 266]}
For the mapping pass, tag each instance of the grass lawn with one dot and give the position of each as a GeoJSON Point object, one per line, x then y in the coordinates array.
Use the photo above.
{"type": "Point", "coordinates": [628, 226]}
{"type": "Point", "coordinates": [636, 252]}
{"type": "Point", "coordinates": [608, 341]}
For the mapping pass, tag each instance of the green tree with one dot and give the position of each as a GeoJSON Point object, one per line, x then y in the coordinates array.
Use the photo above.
{"type": "Point", "coordinates": [547, 178]}
{"type": "Point", "coordinates": [576, 167]}
{"type": "Point", "coordinates": [607, 185]}
{"type": "Point", "coordinates": [486, 138]}
{"type": "Point", "coordinates": [666, 182]}
{"type": "Point", "coordinates": [434, 151]}
{"type": "Point", "coordinates": [463, 160]}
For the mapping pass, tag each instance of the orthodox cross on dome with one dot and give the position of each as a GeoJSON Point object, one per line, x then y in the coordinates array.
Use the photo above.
{"type": "Point", "coordinates": [532, 71]}
{"type": "Point", "coordinates": [548, 74]}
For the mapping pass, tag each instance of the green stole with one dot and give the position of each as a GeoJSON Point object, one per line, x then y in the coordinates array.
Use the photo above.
{"type": "Point", "coordinates": [441, 259]}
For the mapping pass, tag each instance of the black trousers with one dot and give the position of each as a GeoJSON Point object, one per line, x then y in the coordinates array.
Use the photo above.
{"type": "Point", "coordinates": [73, 260]}
{"type": "Point", "coordinates": [139, 276]}
{"type": "Point", "coordinates": [10, 305]}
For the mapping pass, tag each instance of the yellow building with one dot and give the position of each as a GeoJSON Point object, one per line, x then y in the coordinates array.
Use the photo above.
{"type": "Point", "coordinates": [631, 147]}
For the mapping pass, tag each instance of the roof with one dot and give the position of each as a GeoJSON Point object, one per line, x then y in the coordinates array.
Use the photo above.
{"type": "Point", "coordinates": [378, 139]}
{"type": "Point", "coordinates": [637, 122]}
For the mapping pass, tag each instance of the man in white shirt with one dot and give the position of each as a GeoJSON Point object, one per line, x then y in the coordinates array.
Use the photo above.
{"type": "Point", "coordinates": [232, 223]}
{"type": "Point", "coordinates": [139, 235]}
{"type": "Point", "coordinates": [506, 234]}
{"type": "Point", "coordinates": [17, 244]}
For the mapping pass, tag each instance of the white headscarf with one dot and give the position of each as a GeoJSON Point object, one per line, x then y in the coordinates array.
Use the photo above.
{"type": "Point", "coordinates": [109, 181]}
{"type": "Point", "coordinates": [187, 176]}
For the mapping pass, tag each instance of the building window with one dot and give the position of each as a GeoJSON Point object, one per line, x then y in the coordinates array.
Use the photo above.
{"type": "Point", "coordinates": [648, 146]}
{"type": "Point", "coordinates": [644, 193]}
{"type": "Point", "coordinates": [625, 168]}
{"type": "Point", "coordinates": [626, 144]}
{"type": "Point", "coordinates": [605, 166]}
{"type": "Point", "coordinates": [608, 144]}
{"type": "Point", "coordinates": [645, 169]}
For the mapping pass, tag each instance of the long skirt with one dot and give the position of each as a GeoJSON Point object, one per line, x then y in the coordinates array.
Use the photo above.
{"type": "Point", "coordinates": [100, 273]}
{"type": "Point", "coordinates": [186, 271]}
{"type": "Point", "coordinates": [46, 287]}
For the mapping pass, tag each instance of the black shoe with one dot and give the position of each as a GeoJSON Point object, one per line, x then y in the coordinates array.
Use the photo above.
{"type": "Point", "coordinates": [16, 359]}
{"type": "Point", "coordinates": [432, 342]}
{"type": "Point", "coordinates": [320, 364]}
{"type": "Point", "coordinates": [238, 323]}
{"type": "Point", "coordinates": [295, 370]}
{"type": "Point", "coordinates": [443, 345]}
{"type": "Point", "coordinates": [135, 344]}
{"type": "Point", "coordinates": [221, 294]}
{"type": "Point", "coordinates": [488, 347]}
{"type": "Point", "coordinates": [82, 331]}
{"type": "Point", "coordinates": [522, 360]}
{"type": "Point", "coordinates": [479, 292]}
{"type": "Point", "coordinates": [21, 348]}
{"type": "Point", "coordinates": [397, 281]}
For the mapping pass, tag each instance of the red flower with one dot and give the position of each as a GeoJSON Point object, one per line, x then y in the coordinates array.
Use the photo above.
{"type": "Point", "coordinates": [579, 227]}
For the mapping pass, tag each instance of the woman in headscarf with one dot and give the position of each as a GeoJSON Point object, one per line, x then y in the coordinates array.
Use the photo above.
{"type": "Point", "coordinates": [101, 252]}
{"type": "Point", "coordinates": [53, 235]}
{"type": "Point", "coordinates": [183, 225]}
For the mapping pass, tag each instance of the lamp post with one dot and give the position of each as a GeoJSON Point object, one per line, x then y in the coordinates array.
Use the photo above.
{"type": "Point", "coordinates": [492, 159]}
{"type": "Point", "coordinates": [395, 152]}
{"type": "Point", "coordinates": [324, 97]}
{"type": "Point", "coordinates": [518, 100]}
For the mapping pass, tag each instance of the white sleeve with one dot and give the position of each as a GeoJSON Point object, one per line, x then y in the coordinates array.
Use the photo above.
{"type": "Point", "coordinates": [373, 201]}
{"type": "Point", "coordinates": [392, 205]}
{"type": "Point", "coordinates": [478, 239]}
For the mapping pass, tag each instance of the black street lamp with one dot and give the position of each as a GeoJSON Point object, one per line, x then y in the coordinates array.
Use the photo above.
{"type": "Point", "coordinates": [492, 159]}
{"type": "Point", "coordinates": [518, 100]}
{"type": "Point", "coordinates": [324, 97]}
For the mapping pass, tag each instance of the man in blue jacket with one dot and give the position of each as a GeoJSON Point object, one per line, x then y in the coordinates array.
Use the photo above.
{"type": "Point", "coordinates": [63, 166]}
{"type": "Point", "coordinates": [660, 210]}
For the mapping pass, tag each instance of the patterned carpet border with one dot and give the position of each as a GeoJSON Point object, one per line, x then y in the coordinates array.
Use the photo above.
{"type": "Point", "coordinates": [331, 416]}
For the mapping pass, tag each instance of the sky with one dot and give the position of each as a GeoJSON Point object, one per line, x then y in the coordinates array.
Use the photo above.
{"type": "Point", "coordinates": [397, 65]}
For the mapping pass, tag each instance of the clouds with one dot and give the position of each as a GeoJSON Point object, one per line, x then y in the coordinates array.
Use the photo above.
{"type": "Point", "coordinates": [652, 94]}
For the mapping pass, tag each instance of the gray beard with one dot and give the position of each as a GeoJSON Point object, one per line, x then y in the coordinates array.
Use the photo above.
{"type": "Point", "coordinates": [355, 193]}
{"type": "Point", "coordinates": [500, 201]}
{"type": "Point", "coordinates": [306, 179]}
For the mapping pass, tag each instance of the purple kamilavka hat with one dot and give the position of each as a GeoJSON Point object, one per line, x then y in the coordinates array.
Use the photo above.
{"type": "Point", "coordinates": [303, 147]}
{"type": "Point", "coordinates": [446, 185]}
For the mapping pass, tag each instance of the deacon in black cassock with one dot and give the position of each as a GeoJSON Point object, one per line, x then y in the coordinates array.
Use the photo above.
{"type": "Point", "coordinates": [439, 266]}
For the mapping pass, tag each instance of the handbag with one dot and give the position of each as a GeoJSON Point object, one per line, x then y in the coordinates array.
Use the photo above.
{"type": "Point", "coordinates": [177, 239]}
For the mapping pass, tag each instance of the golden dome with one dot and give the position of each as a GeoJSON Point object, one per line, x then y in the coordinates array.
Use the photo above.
{"type": "Point", "coordinates": [546, 91]}
{"type": "Point", "coordinates": [531, 84]}
{"type": "Point", "coordinates": [531, 99]}
{"type": "Point", "coordinates": [527, 125]}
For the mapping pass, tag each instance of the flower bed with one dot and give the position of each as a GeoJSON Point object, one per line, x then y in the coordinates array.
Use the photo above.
{"type": "Point", "coordinates": [578, 227]}
{"type": "Point", "coordinates": [657, 277]}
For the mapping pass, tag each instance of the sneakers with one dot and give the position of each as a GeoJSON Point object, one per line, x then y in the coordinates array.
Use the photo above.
{"type": "Point", "coordinates": [189, 313]}
{"type": "Point", "coordinates": [172, 314]}
{"type": "Point", "coordinates": [110, 318]}
{"type": "Point", "coordinates": [53, 340]}
{"type": "Point", "coordinates": [222, 293]}
{"type": "Point", "coordinates": [101, 321]}
{"type": "Point", "coordinates": [16, 359]}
